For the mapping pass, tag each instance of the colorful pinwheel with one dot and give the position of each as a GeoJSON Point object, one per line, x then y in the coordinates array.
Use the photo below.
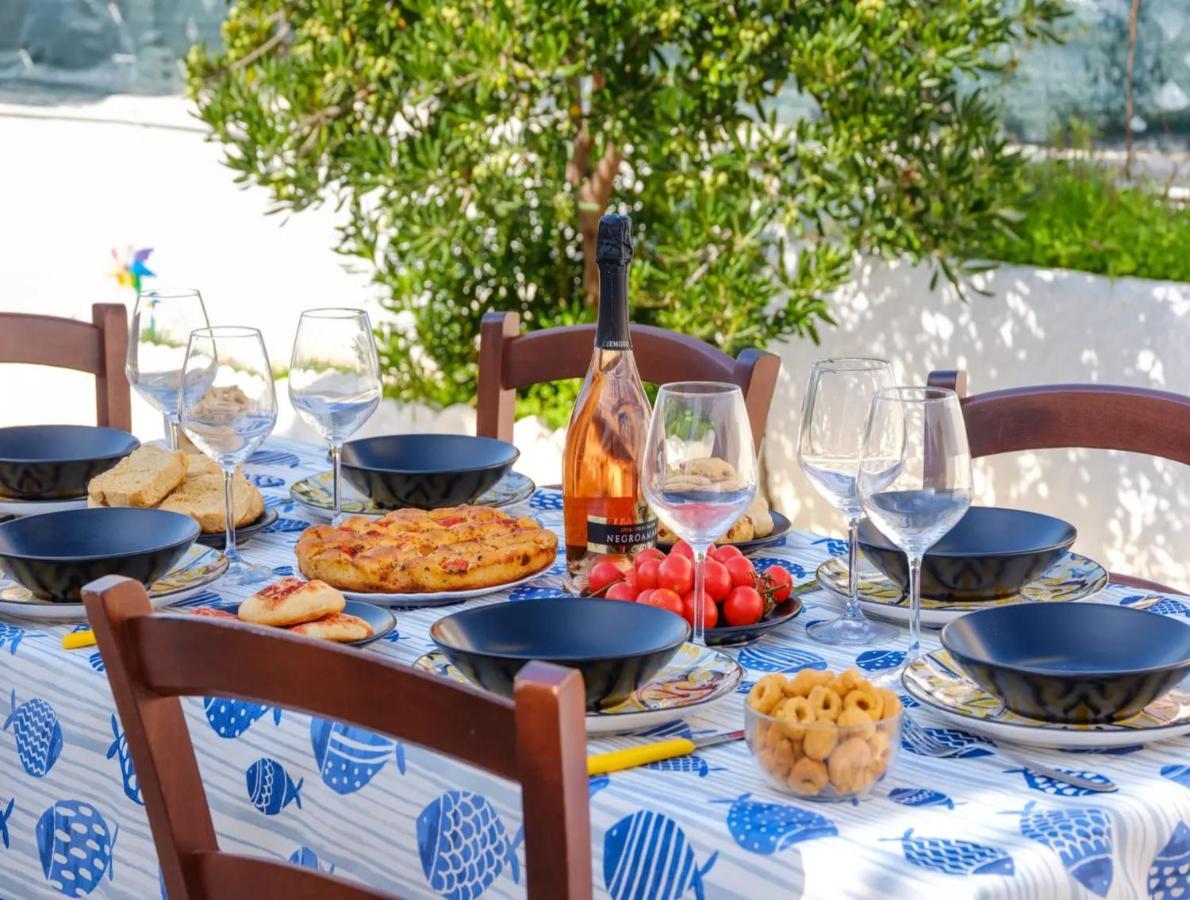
{"type": "Point", "coordinates": [131, 268]}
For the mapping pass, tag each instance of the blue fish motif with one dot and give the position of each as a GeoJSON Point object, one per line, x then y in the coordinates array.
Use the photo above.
{"type": "Point", "coordinates": [13, 635]}
{"type": "Point", "coordinates": [270, 788]}
{"type": "Point", "coordinates": [810, 623]}
{"type": "Point", "coordinates": [286, 526]}
{"type": "Point", "coordinates": [1180, 774]}
{"type": "Point", "coordinates": [528, 592]}
{"type": "Point", "coordinates": [596, 784]}
{"type": "Point", "coordinates": [646, 856]}
{"type": "Point", "coordinates": [673, 729]}
{"type": "Point", "coordinates": [779, 659]}
{"type": "Point", "coordinates": [745, 687]}
{"type": "Point", "coordinates": [119, 748]}
{"type": "Point", "coordinates": [763, 563]}
{"type": "Point", "coordinates": [75, 847]}
{"type": "Point", "coordinates": [689, 763]}
{"type": "Point", "coordinates": [1166, 606]}
{"type": "Point", "coordinates": [464, 846]}
{"type": "Point", "coordinates": [283, 571]}
{"type": "Point", "coordinates": [954, 857]}
{"type": "Point", "coordinates": [4, 817]}
{"type": "Point", "coordinates": [308, 859]}
{"type": "Point", "coordinates": [274, 458]}
{"type": "Point", "coordinates": [95, 661]}
{"type": "Point", "coordinates": [392, 637]}
{"type": "Point", "coordinates": [1082, 838]}
{"type": "Point", "coordinates": [231, 718]}
{"type": "Point", "coordinates": [349, 757]}
{"type": "Point", "coordinates": [38, 735]}
{"type": "Point", "coordinates": [915, 739]}
{"type": "Point", "coordinates": [919, 797]}
{"type": "Point", "coordinates": [768, 827]}
{"type": "Point", "coordinates": [875, 660]}
{"type": "Point", "coordinates": [834, 546]}
{"type": "Point", "coordinates": [1044, 783]}
{"type": "Point", "coordinates": [907, 701]}
{"type": "Point", "coordinates": [276, 501]}
{"type": "Point", "coordinates": [546, 500]}
{"type": "Point", "coordinates": [1169, 875]}
{"type": "Point", "coordinates": [266, 481]}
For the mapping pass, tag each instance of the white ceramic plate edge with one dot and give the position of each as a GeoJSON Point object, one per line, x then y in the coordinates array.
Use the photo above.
{"type": "Point", "coordinates": [38, 507]}
{"type": "Point", "coordinates": [441, 598]}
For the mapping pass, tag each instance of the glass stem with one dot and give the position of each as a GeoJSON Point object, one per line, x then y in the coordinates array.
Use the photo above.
{"type": "Point", "coordinates": [914, 608]}
{"type": "Point", "coordinates": [700, 575]}
{"type": "Point", "coordinates": [171, 431]}
{"type": "Point", "coordinates": [229, 547]}
{"type": "Point", "coordinates": [336, 461]}
{"type": "Point", "coordinates": [852, 610]}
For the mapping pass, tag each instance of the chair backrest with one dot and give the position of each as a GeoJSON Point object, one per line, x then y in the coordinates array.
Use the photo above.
{"type": "Point", "coordinates": [98, 348]}
{"type": "Point", "coordinates": [509, 360]}
{"type": "Point", "coordinates": [153, 659]}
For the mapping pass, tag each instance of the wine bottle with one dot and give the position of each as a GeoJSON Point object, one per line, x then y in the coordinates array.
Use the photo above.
{"type": "Point", "coordinates": [604, 509]}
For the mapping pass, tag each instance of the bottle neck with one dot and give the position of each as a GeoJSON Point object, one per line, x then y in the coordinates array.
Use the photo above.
{"type": "Point", "coordinates": [612, 331]}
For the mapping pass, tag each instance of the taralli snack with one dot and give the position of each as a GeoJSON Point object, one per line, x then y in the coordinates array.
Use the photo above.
{"type": "Point", "coordinates": [823, 734]}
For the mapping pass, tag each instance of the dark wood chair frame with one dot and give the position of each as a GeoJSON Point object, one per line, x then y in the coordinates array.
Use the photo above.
{"type": "Point", "coordinates": [509, 360]}
{"type": "Point", "coordinates": [98, 347]}
{"type": "Point", "coordinates": [151, 660]}
{"type": "Point", "coordinates": [1094, 416]}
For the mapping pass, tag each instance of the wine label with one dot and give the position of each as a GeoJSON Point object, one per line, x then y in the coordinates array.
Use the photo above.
{"type": "Point", "coordinates": [624, 538]}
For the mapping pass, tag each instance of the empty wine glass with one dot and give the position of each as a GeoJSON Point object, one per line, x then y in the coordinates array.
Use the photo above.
{"type": "Point", "coordinates": [334, 378]}
{"type": "Point", "coordinates": [228, 407]}
{"type": "Point", "coordinates": [161, 324]}
{"type": "Point", "coordinates": [915, 477]}
{"type": "Point", "coordinates": [834, 412]}
{"type": "Point", "coordinates": [699, 469]}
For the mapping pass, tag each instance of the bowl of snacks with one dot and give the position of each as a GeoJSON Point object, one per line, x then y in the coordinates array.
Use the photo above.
{"type": "Point", "coordinates": [822, 736]}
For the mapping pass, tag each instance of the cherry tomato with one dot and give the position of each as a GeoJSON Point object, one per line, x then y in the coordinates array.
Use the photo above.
{"type": "Point", "coordinates": [710, 611]}
{"type": "Point", "coordinates": [646, 573]}
{"type": "Point", "coordinates": [743, 606]}
{"type": "Point", "coordinates": [628, 576]}
{"type": "Point", "coordinates": [621, 591]}
{"type": "Point", "coordinates": [676, 573]}
{"type": "Point", "coordinates": [664, 599]}
{"type": "Point", "coordinates": [741, 571]}
{"type": "Point", "coordinates": [779, 583]}
{"type": "Point", "coordinates": [681, 548]}
{"type": "Point", "coordinates": [602, 574]}
{"type": "Point", "coordinates": [718, 580]}
{"type": "Point", "coordinates": [724, 552]}
{"type": "Point", "coordinates": [650, 553]}
{"type": "Point", "coordinates": [643, 596]}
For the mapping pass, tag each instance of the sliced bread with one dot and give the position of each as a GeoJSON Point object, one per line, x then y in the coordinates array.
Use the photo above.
{"type": "Point", "coordinates": [200, 496]}
{"type": "Point", "coordinates": [143, 478]}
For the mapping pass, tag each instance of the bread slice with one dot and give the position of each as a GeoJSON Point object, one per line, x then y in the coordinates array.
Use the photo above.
{"type": "Point", "coordinates": [338, 627]}
{"type": "Point", "coordinates": [143, 478]}
{"type": "Point", "coordinates": [200, 496]}
{"type": "Point", "coordinates": [292, 601]}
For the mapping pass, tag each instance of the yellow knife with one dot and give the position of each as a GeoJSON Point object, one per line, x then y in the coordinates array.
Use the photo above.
{"type": "Point", "coordinates": [631, 757]}
{"type": "Point", "coordinates": [77, 639]}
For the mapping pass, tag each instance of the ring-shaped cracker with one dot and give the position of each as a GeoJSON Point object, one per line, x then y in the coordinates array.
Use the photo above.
{"type": "Point", "coordinates": [825, 703]}
{"type": "Point", "coordinates": [767, 693]}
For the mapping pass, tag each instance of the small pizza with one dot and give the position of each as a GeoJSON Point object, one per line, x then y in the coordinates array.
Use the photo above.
{"type": "Point", "coordinates": [339, 627]}
{"type": "Point", "coordinates": [291, 601]}
{"type": "Point", "coordinates": [412, 551]}
{"type": "Point", "coordinates": [211, 612]}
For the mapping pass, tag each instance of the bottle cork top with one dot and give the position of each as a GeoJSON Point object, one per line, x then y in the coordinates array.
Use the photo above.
{"type": "Point", "coordinates": [615, 240]}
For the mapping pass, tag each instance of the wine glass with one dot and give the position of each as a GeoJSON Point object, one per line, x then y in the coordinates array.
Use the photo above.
{"type": "Point", "coordinates": [915, 477]}
{"type": "Point", "coordinates": [228, 407]}
{"type": "Point", "coordinates": [834, 412]}
{"type": "Point", "coordinates": [699, 469]}
{"type": "Point", "coordinates": [161, 324]}
{"type": "Point", "coordinates": [334, 378]}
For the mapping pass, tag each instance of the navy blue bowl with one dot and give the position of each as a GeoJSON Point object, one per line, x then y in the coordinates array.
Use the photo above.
{"type": "Point", "coordinates": [56, 554]}
{"type": "Point", "coordinates": [992, 552]}
{"type": "Point", "coordinates": [616, 646]}
{"type": "Point", "coordinates": [55, 462]}
{"type": "Point", "coordinates": [426, 471]}
{"type": "Point", "coordinates": [1078, 663]}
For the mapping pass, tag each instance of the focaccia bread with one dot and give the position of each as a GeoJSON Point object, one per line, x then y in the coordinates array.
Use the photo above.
{"type": "Point", "coordinates": [200, 496]}
{"type": "Point", "coordinates": [143, 478]}
{"type": "Point", "coordinates": [291, 601]}
{"type": "Point", "coordinates": [416, 551]}
{"type": "Point", "coordinates": [339, 627]}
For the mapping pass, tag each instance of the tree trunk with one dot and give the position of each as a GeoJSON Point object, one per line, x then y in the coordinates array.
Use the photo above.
{"type": "Point", "coordinates": [593, 196]}
{"type": "Point", "coordinates": [1132, 17]}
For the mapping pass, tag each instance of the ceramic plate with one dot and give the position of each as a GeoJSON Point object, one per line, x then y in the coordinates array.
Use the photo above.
{"type": "Point", "coordinates": [1072, 577]}
{"type": "Point", "coordinates": [10, 507]}
{"type": "Point", "coordinates": [198, 568]}
{"type": "Point", "coordinates": [440, 598]}
{"type": "Point", "coordinates": [218, 538]}
{"type": "Point", "coordinates": [694, 680]}
{"type": "Point", "coordinates": [936, 681]}
{"type": "Point", "coordinates": [723, 635]}
{"type": "Point", "coordinates": [314, 493]}
{"type": "Point", "coordinates": [781, 526]}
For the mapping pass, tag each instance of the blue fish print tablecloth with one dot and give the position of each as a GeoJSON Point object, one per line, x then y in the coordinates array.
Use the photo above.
{"type": "Point", "coordinates": [337, 798]}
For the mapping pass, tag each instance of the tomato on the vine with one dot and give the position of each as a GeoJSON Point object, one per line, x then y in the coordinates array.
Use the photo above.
{"type": "Point", "coordinates": [710, 611]}
{"type": "Point", "coordinates": [724, 552]}
{"type": "Point", "coordinates": [646, 572]}
{"type": "Point", "coordinates": [743, 606]}
{"type": "Point", "coordinates": [664, 599]}
{"type": "Point", "coordinates": [741, 571]}
{"type": "Point", "coordinates": [676, 573]}
{"type": "Point", "coordinates": [779, 583]}
{"type": "Point", "coordinates": [717, 581]}
{"type": "Point", "coordinates": [649, 553]}
{"type": "Point", "coordinates": [643, 596]}
{"type": "Point", "coordinates": [602, 574]}
{"type": "Point", "coordinates": [621, 591]}
{"type": "Point", "coordinates": [681, 548]}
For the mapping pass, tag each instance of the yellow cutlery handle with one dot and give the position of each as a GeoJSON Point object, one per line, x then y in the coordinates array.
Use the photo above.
{"type": "Point", "coordinates": [77, 639]}
{"type": "Point", "coordinates": [630, 758]}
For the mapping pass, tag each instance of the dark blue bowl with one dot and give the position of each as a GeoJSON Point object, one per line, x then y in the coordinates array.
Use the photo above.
{"type": "Point", "coordinates": [616, 646]}
{"type": "Point", "coordinates": [56, 554]}
{"type": "Point", "coordinates": [992, 552]}
{"type": "Point", "coordinates": [55, 462]}
{"type": "Point", "coordinates": [1077, 663]}
{"type": "Point", "coordinates": [426, 471]}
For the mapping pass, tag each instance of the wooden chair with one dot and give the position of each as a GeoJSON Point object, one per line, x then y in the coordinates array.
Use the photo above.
{"type": "Point", "coordinates": [509, 360]}
{"type": "Point", "coordinates": [99, 348]}
{"type": "Point", "coordinates": [1099, 417]}
{"type": "Point", "coordinates": [153, 659]}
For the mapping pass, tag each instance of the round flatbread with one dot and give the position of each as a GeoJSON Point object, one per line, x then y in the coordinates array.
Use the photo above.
{"type": "Point", "coordinates": [291, 601]}
{"type": "Point", "coordinates": [339, 627]}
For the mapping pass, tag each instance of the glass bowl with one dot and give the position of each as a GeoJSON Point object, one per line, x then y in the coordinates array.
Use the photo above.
{"type": "Point", "coordinates": [822, 760]}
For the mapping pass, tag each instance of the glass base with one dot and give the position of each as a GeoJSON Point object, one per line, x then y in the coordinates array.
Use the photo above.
{"type": "Point", "coordinates": [852, 632]}
{"type": "Point", "coordinates": [240, 572]}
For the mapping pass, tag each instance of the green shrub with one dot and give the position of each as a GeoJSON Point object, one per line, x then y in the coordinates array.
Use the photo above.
{"type": "Point", "coordinates": [474, 144]}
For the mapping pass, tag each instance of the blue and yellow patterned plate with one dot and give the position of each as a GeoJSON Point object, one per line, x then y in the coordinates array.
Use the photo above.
{"type": "Point", "coordinates": [198, 567]}
{"type": "Point", "coordinates": [1072, 577]}
{"type": "Point", "coordinates": [696, 679]}
{"type": "Point", "coordinates": [314, 494]}
{"type": "Point", "coordinates": [935, 681]}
